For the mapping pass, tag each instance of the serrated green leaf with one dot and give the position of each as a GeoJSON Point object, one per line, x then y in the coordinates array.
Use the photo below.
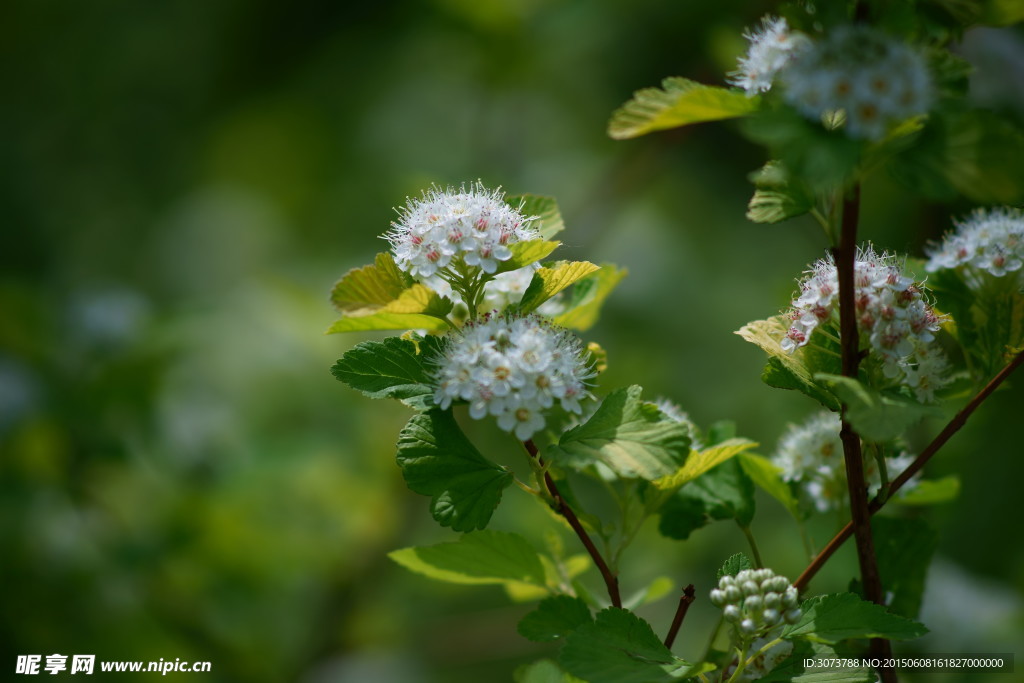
{"type": "Point", "coordinates": [875, 417]}
{"type": "Point", "coordinates": [394, 368]}
{"type": "Point", "coordinates": [547, 282]}
{"type": "Point", "coordinates": [793, 670]}
{"type": "Point", "coordinates": [767, 476]}
{"type": "Point", "coordinates": [904, 549]}
{"type": "Point", "coordinates": [681, 515]}
{"type": "Point", "coordinates": [778, 196]}
{"type": "Point", "coordinates": [790, 370]}
{"type": "Point", "coordinates": [525, 253]}
{"type": "Point", "coordinates": [544, 671]}
{"type": "Point", "coordinates": [629, 436]}
{"type": "Point", "coordinates": [549, 219]}
{"type": "Point", "coordinates": [700, 462]}
{"type": "Point", "coordinates": [477, 558]}
{"type": "Point", "coordinates": [387, 321]}
{"type": "Point", "coordinates": [678, 102]}
{"type": "Point", "coordinates": [734, 565]}
{"type": "Point", "coordinates": [929, 491]}
{"type": "Point", "coordinates": [554, 576]}
{"type": "Point", "coordinates": [555, 617]}
{"type": "Point", "coordinates": [726, 492]}
{"type": "Point", "coordinates": [437, 460]}
{"type": "Point", "coordinates": [371, 286]}
{"type": "Point", "coordinates": [836, 617]}
{"type": "Point", "coordinates": [620, 647]}
{"type": "Point", "coordinates": [587, 297]}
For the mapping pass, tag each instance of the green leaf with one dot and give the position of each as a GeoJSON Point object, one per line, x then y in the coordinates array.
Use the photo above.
{"type": "Point", "coordinates": [394, 368]}
{"type": "Point", "coordinates": [631, 437]}
{"type": "Point", "coordinates": [734, 565]}
{"type": "Point", "coordinates": [543, 671]}
{"type": "Point", "coordinates": [679, 102]}
{"type": "Point", "coordinates": [777, 196]}
{"type": "Point", "coordinates": [555, 617]}
{"type": "Point", "coordinates": [620, 647]}
{"type": "Point", "coordinates": [525, 253]}
{"type": "Point", "coordinates": [655, 590]}
{"type": "Point", "coordinates": [836, 617]}
{"type": "Point", "coordinates": [767, 476]}
{"type": "Point", "coordinates": [547, 282]}
{"type": "Point", "coordinates": [700, 462]}
{"type": "Point", "coordinates": [370, 286]}
{"type": "Point", "coordinates": [549, 219]}
{"type": "Point", "coordinates": [904, 549]}
{"type": "Point", "coordinates": [588, 295]}
{"type": "Point", "coordinates": [477, 558]}
{"type": "Point", "coordinates": [792, 669]}
{"type": "Point", "coordinates": [790, 370]}
{"type": "Point", "coordinates": [972, 152]}
{"type": "Point", "coordinates": [929, 491]}
{"type": "Point", "coordinates": [387, 321]}
{"type": "Point", "coordinates": [437, 460]}
{"type": "Point", "coordinates": [726, 492]}
{"type": "Point", "coordinates": [417, 307]}
{"type": "Point", "coordinates": [876, 417]}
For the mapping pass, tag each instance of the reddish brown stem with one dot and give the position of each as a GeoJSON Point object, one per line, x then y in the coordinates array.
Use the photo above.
{"type": "Point", "coordinates": [845, 255]}
{"type": "Point", "coordinates": [685, 600]}
{"type": "Point", "coordinates": [951, 428]}
{"type": "Point", "coordinates": [611, 581]}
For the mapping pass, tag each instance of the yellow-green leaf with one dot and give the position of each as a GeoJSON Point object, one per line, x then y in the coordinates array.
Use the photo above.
{"type": "Point", "coordinates": [700, 462]}
{"type": "Point", "coordinates": [549, 219]}
{"type": "Point", "coordinates": [547, 282]}
{"type": "Point", "coordinates": [678, 102]}
{"type": "Point", "coordinates": [525, 253]}
{"type": "Point", "coordinates": [371, 286]}
{"type": "Point", "coordinates": [387, 321]}
{"type": "Point", "coordinates": [588, 295]}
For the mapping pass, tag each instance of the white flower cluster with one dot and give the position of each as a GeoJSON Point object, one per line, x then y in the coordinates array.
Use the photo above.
{"type": "Point", "coordinates": [892, 315]}
{"type": "Point", "coordinates": [757, 600]}
{"type": "Point", "coordinates": [986, 242]}
{"type": "Point", "coordinates": [514, 369]}
{"type": "Point", "coordinates": [475, 225]}
{"type": "Point", "coordinates": [772, 47]}
{"type": "Point", "coordinates": [812, 455]}
{"type": "Point", "coordinates": [876, 80]}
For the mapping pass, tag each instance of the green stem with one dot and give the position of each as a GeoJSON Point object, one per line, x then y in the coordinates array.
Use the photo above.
{"type": "Point", "coordinates": [753, 545]}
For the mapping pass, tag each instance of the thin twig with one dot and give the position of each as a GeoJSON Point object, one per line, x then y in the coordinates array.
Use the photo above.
{"type": "Point", "coordinates": [685, 600]}
{"type": "Point", "coordinates": [951, 428]}
{"type": "Point", "coordinates": [611, 581]}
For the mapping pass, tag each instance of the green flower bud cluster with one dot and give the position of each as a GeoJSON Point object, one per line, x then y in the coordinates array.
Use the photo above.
{"type": "Point", "coordinates": [757, 600]}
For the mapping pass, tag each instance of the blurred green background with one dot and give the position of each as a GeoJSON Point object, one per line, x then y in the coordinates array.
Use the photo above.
{"type": "Point", "coordinates": [182, 182]}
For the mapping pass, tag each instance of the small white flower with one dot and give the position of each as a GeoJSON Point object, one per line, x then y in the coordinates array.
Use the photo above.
{"type": "Point", "coordinates": [512, 369]}
{"type": "Point", "coordinates": [771, 49]}
{"type": "Point", "coordinates": [474, 225]}
{"type": "Point", "coordinates": [876, 80]}
{"type": "Point", "coordinates": [986, 242]}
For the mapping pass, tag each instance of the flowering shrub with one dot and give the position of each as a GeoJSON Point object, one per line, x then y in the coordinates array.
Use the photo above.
{"type": "Point", "coordinates": [489, 326]}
